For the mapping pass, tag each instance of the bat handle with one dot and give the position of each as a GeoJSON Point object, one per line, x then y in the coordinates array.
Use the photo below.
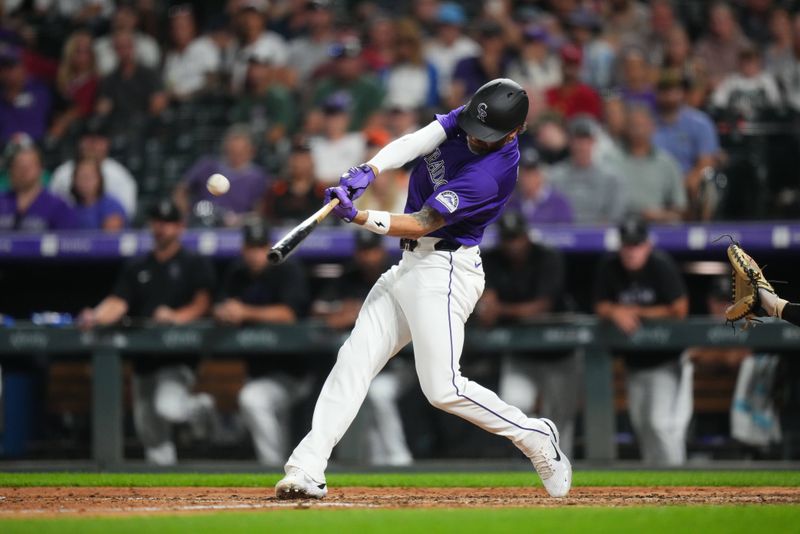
{"type": "Point", "coordinates": [326, 210]}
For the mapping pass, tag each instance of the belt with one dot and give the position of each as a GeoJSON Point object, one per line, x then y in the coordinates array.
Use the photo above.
{"type": "Point", "coordinates": [442, 245]}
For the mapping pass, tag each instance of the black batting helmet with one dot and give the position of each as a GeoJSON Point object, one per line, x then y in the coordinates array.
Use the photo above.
{"type": "Point", "coordinates": [495, 110]}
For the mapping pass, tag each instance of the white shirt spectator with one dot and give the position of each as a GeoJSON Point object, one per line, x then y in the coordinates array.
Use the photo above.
{"type": "Point", "coordinates": [445, 58]}
{"type": "Point", "coordinates": [538, 76]}
{"type": "Point", "coordinates": [332, 158]}
{"type": "Point", "coordinates": [148, 53]}
{"type": "Point", "coordinates": [408, 86]}
{"type": "Point", "coordinates": [746, 94]}
{"type": "Point", "coordinates": [117, 182]}
{"type": "Point", "coordinates": [305, 55]}
{"type": "Point", "coordinates": [270, 45]}
{"type": "Point", "coordinates": [186, 72]}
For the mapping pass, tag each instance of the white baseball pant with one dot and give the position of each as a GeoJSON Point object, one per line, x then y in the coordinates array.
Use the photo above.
{"type": "Point", "coordinates": [427, 297]}
{"type": "Point", "coordinates": [161, 399]}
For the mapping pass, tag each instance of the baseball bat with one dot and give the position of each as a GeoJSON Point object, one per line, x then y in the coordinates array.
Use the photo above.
{"type": "Point", "coordinates": [284, 248]}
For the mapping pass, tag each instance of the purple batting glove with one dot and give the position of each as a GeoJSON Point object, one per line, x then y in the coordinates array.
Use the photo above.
{"type": "Point", "coordinates": [345, 209]}
{"type": "Point", "coordinates": [357, 179]}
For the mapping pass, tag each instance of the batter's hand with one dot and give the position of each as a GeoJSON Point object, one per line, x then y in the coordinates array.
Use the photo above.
{"type": "Point", "coordinates": [345, 209]}
{"type": "Point", "coordinates": [356, 180]}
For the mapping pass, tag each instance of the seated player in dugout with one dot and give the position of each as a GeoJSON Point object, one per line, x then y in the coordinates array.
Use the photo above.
{"type": "Point", "coordinates": [339, 304]}
{"type": "Point", "coordinates": [255, 292]}
{"type": "Point", "coordinates": [170, 285]}
{"type": "Point", "coordinates": [524, 281]}
{"type": "Point", "coordinates": [631, 286]}
{"type": "Point", "coordinates": [466, 170]}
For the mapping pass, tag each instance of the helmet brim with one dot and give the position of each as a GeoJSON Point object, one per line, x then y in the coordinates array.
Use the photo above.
{"type": "Point", "coordinates": [479, 130]}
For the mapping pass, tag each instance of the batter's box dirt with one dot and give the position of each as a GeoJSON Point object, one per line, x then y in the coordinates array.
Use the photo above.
{"type": "Point", "coordinates": [44, 502]}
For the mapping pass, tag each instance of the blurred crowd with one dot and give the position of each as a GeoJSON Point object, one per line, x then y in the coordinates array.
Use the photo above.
{"type": "Point", "coordinates": [670, 109]}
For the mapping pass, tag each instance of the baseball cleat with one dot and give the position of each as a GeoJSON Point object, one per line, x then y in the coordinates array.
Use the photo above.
{"type": "Point", "coordinates": [298, 485]}
{"type": "Point", "coordinates": [552, 464]}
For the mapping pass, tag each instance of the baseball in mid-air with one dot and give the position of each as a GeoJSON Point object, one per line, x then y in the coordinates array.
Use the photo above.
{"type": "Point", "coordinates": [217, 184]}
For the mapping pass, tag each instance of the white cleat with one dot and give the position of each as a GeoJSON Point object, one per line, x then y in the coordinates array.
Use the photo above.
{"type": "Point", "coordinates": [298, 485]}
{"type": "Point", "coordinates": [552, 465]}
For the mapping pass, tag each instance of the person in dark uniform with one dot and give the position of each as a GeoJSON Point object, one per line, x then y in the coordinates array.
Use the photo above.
{"type": "Point", "coordinates": [338, 305]}
{"type": "Point", "coordinates": [256, 292]}
{"type": "Point", "coordinates": [169, 285]}
{"type": "Point", "coordinates": [296, 195]}
{"type": "Point", "coordinates": [524, 281]}
{"type": "Point", "coordinates": [640, 283]}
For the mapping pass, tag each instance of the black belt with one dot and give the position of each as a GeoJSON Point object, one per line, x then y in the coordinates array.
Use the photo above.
{"type": "Point", "coordinates": [443, 244]}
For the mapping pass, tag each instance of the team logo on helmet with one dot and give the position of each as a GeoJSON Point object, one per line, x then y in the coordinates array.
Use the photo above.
{"type": "Point", "coordinates": [481, 110]}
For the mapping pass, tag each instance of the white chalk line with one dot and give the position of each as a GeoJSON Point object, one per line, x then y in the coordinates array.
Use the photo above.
{"type": "Point", "coordinates": [302, 505]}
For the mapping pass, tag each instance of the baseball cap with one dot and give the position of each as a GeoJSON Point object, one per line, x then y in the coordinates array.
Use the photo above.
{"type": "Point", "coordinates": [513, 224]}
{"type": "Point", "coordinates": [338, 102]}
{"type": "Point", "coordinates": [529, 158]}
{"type": "Point", "coordinates": [165, 210]}
{"type": "Point", "coordinates": [255, 233]}
{"type": "Point", "coordinates": [452, 14]}
{"type": "Point", "coordinates": [367, 240]}
{"type": "Point", "coordinates": [633, 231]}
{"type": "Point", "coordinates": [571, 53]}
{"type": "Point", "coordinates": [313, 5]}
{"type": "Point", "coordinates": [348, 48]}
{"type": "Point", "coordinates": [9, 54]}
{"type": "Point", "coordinates": [582, 126]}
{"type": "Point", "coordinates": [254, 5]}
{"type": "Point", "coordinates": [535, 33]}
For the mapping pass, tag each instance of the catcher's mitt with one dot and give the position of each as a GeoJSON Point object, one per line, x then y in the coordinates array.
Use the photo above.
{"type": "Point", "coordinates": [747, 279]}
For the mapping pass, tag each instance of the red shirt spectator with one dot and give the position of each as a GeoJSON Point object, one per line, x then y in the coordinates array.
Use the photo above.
{"type": "Point", "coordinates": [574, 97]}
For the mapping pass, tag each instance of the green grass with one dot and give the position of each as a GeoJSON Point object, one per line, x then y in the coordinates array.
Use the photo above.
{"type": "Point", "coordinates": [441, 480]}
{"type": "Point", "coordinates": [705, 519]}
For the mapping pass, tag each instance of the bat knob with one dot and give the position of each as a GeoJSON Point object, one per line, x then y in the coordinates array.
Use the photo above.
{"type": "Point", "coordinates": [275, 256]}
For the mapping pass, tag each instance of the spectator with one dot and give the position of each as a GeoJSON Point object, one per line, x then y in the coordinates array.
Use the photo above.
{"type": "Point", "coordinates": [719, 50]}
{"type": "Point", "coordinates": [248, 181]}
{"type": "Point", "coordinates": [689, 135]}
{"type": "Point", "coordinates": [661, 23]}
{"type": "Point", "coordinates": [132, 90]}
{"type": "Point", "coordinates": [308, 52]}
{"type": "Point", "coordinates": [338, 305]}
{"type": "Point", "coordinates": [637, 76]}
{"type": "Point", "coordinates": [652, 179]}
{"type": "Point", "coordinates": [94, 209]}
{"type": "Point", "coordinates": [678, 58]}
{"type": "Point", "coordinates": [637, 284]}
{"type": "Point", "coordinates": [28, 206]}
{"type": "Point", "coordinates": [76, 83]}
{"type": "Point", "coordinates": [473, 72]}
{"type": "Point", "coordinates": [192, 62]}
{"type": "Point", "coordinates": [627, 21]}
{"type": "Point", "coordinates": [255, 292]}
{"type": "Point", "coordinates": [410, 80]}
{"type": "Point", "coordinates": [145, 49]}
{"type": "Point", "coordinates": [598, 67]}
{"type": "Point", "coordinates": [377, 52]}
{"type": "Point", "coordinates": [748, 93]}
{"type": "Point", "coordinates": [253, 39]}
{"type": "Point", "coordinates": [535, 199]}
{"type": "Point", "coordinates": [298, 194]}
{"type": "Point", "coordinates": [524, 282]}
{"type": "Point", "coordinates": [755, 17]}
{"type": "Point", "coordinates": [169, 286]}
{"type": "Point", "coordinates": [336, 150]}
{"type": "Point", "coordinates": [449, 45]}
{"type": "Point", "coordinates": [266, 105]}
{"type": "Point", "coordinates": [788, 74]}
{"type": "Point", "coordinates": [348, 77]}
{"type": "Point", "coordinates": [779, 52]}
{"type": "Point", "coordinates": [574, 97]}
{"type": "Point", "coordinates": [536, 68]}
{"type": "Point", "coordinates": [25, 103]}
{"type": "Point", "coordinates": [401, 120]}
{"type": "Point", "coordinates": [551, 139]}
{"type": "Point", "coordinates": [596, 195]}
{"type": "Point", "coordinates": [117, 180]}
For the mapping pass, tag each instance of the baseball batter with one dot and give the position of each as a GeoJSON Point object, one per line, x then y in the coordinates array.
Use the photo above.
{"type": "Point", "coordinates": [460, 185]}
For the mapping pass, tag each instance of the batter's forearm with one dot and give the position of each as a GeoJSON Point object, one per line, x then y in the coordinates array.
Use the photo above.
{"type": "Point", "coordinates": [409, 225]}
{"type": "Point", "coordinates": [409, 147]}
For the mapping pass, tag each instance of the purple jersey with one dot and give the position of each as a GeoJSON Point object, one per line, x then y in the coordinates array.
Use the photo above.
{"type": "Point", "coordinates": [469, 190]}
{"type": "Point", "coordinates": [47, 212]}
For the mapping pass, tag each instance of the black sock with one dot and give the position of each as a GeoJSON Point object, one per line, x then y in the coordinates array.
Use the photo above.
{"type": "Point", "coordinates": [791, 313]}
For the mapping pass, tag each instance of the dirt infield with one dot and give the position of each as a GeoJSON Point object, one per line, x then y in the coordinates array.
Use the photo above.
{"type": "Point", "coordinates": [49, 502]}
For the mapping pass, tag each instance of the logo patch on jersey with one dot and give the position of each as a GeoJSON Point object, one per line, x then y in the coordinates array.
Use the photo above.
{"type": "Point", "coordinates": [449, 200]}
{"type": "Point", "coordinates": [482, 110]}
{"type": "Point", "coordinates": [436, 170]}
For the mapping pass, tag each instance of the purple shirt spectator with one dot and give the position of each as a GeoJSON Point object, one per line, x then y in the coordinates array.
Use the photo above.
{"type": "Point", "coordinates": [92, 217]}
{"type": "Point", "coordinates": [248, 184]}
{"type": "Point", "coordinates": [691, 136]}
{"type": "Point", "coordinates": [27, 111]}
{"type": "Point", "coordinates": [551, 206]}
{"type": "Point", "coordinates": [47, 212]}
{"type": "Point", "coordinates": [646, 97]}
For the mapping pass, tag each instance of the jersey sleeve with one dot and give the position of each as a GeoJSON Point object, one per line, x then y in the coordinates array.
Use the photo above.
{"type": "Point", "coordinates": [448, 122]}
{"type": "Point", "coordinates": [464, 197]}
